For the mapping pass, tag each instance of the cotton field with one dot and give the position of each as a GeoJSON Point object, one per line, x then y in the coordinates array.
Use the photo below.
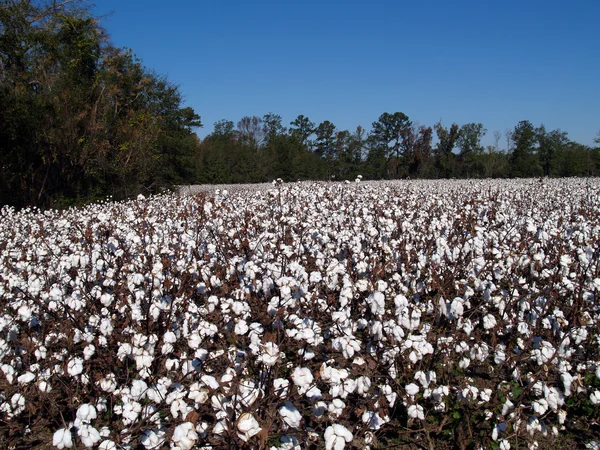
{"type": "Point", "coordinates": [412, 314]}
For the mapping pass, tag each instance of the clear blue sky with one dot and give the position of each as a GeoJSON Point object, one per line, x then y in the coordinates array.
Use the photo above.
{"type": "Point", "coordinates": [494, 62]}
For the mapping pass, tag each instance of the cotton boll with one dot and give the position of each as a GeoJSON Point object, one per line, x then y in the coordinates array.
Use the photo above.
{"type": "Point", "coordinates": [412, 389]}
{"type": "Point", "coordinates": [86, 413]}
{"type": "Point", "coordinates": [281, 387]}
{"type": "Point", "coordinates": [336, 407]}
{"type": "Point", "coordinates": [247, 427]}
{"type": "Point", "coordinates": [62, 439]}
{"type": "Point", "coordinates": [336, 437]}
{"type": "Point", "coordinates": [107, 445]}
{"type": "Point", "coordinates": [185, 436]}
{"type": "Point", "coordinates": [373, 420]}
{"type": "Point", "coordinates": [416, 412]}
{"type": "Point", "coordinates": [302, 378]}
{"type": "Point", "coordinates": [26, 378]}
{"type": "Point", "coordinates": [290, 415]}
{"type": "Point", "coordinates": [153, 439]}
{"type": "Point", "coordinates": [75, 367]}
{"type": "Point", "coordinates": [489, 322]}
{"type": "Point", "coordinates": [88, 435]}
{"type": "Point", "coordinates": [270, 354]}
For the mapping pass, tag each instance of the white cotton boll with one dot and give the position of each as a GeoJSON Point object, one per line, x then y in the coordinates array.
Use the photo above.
{"type": "Point", "coordinates": [319, 408]}
{"type": "Point", "coordinates": [363, 385]}
{"type": "Point", "coordinates": [305, 353]}
{"type": "Point", "coordinates": [595, 397]}
{"type": "Point", "coordinates": [412, 389]}
{"type": "Point", "coordinates": [314, 394]}
{"type": "Point", "coordinates": [241, 327]}
{"type": "Point", "coordinates": [288, 443]}
{"type": "Point", "coordinates": [336, 437]}
{"type": "Point", "coordinates": [540, 406]}
{"type": "Point", "coordinates": [138, 390]}
{"type": "Point", "coordinates": [377, 303]}
{"type": "Point", "coordinates": [88, 435]}
{"type": "Point", "coordinates": [302, 377]}
{"type": "Point", "coordinates": [508, 405]}
{"type": "Point", "coordinates": [109, 383]}
{"type": "Point", "coordinates": [336, 407]}
{"type": "Point", "coordinates": [489, 322]}
{"type": "Point", "coordinates": [247, 427]}
{"type": "Point", "coordinates": [416, 412]}
{"type": "Point", "coordinates": [281, 387]}
{"type": "Point", "coordinates": [198, 394]}
{"type": "Point", "coordinates": [86, 413]}
{"type": "Point", "coordinates": [567, 380]}
{"type": "Point", "coordinates": [503, 445]}
{"type": "Point", "coordinates": [290, 415]}
{"type": "Point", "coordinates": [270, 354]}
{"type": "Point", "coordinates": [499, 428]}
{"type": "Point", "coordinates": [179, 408]}
{"type": "Point", "coordinates": [44, 386]}
{"type": "Point", "coordinates": [210, 381]}
{"type": "Point", "coordinates": [185, 436]}
{"type": "Point", "coordinates": [62, 439]}
{"type": "Point", "coordinates": [131, 411]}
{"type": "Point", "coordinates": [26, 378]}
{"type": "Point", "coordinates": [152, 439]}
{"type": "Point", "coordinates": [75, 366]}
{"type": "Point", "coordinates": [456, 308]}
{"type": "Point", "coordinates": [107, 445]}
{"type": "Point", "coordinates": [554, 397]}
{"type": "Point", "coordinates": [89, 351]}
{"type": "Point", "coordinates": [373, 420]}
{"type": "Point", "coordinates": [485, 395]}
{"type": "Point", "coordinates": [9, 372]}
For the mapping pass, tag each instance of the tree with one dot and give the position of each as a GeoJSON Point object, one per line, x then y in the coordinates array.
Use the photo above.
{"type": "Point", "coordinates": [272, 126]}
{"type": "Point", "coordinates": [250, 131]}
{"type": "Point", "coordinates": [390, 133]}
{"type": "Point", "coordinates": [470, 148]}
{"type": "Point", "coordinates": [550, 146]}
{"type": "Point", "coordinates": [524, 161]}
{"type": "Point", "coordinates": [81, 119]}
{"type": "Point", "coordinates": [302, 128]}
{"type": "Point", "coordinates": [444, 156]}
{"type": "Point", "coordinates": [325, 140]}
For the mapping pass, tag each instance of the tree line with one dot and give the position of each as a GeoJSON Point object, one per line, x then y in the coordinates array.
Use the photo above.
{"type": "Point", "coordinates": [261, 149]}
{"type": "Point", "coordinates": [81, 120]}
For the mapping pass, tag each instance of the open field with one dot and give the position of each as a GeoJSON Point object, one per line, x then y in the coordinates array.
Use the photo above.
{"type": "Point", "coordinates": [410, 314]}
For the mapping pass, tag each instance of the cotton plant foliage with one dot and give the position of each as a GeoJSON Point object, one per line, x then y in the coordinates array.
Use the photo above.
{"type": "Point", "coordinates": [335, 315]}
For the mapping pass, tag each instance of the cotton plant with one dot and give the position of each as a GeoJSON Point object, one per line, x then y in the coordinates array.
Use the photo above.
{"type": "Point", "coordinates": [323, 295]}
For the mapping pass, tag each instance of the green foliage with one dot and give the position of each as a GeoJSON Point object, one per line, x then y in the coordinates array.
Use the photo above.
{"type": "Point", "coordinates": [82, 119]}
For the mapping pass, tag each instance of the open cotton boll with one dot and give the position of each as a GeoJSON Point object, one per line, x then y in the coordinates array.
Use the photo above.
{"type": "Point", "coordinates": [336, 437]}
{"type": "Point", "coordinates": [107, 445]}
{"type": "Point", "coordinates": [489, 322]}
{"type": "Point", "coordinates": [247, 427]}
{"type": "Point", "coordinates": [376, 302]}
{"type": "Point", "coordinates": [302, 378]}
{"type": "Point", "coordinates": [290, 415]}
{"type": "Point", "coordinates": [62, 438]}
{"type": "Point", "coordinates": [185, 436]}
{"type": "Point", "coordinates": [88, 435]}
{"type": "Point", "coordinates": [153, 439]}
{"type": "Point", "coordinates": [373, 420]}
{"type": "Point", "coordinates": [75, 367]}
{"type": "Point", "coordinates": [412, 389]}
{"type": "Point", "coordinates": [26, 378]}
{"type": "Point", "coordinates": [416, 412]}
{"type": "Point", "coordinates": [86, 413]}
{"type": "Point", "coordinates": [270, 354]}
